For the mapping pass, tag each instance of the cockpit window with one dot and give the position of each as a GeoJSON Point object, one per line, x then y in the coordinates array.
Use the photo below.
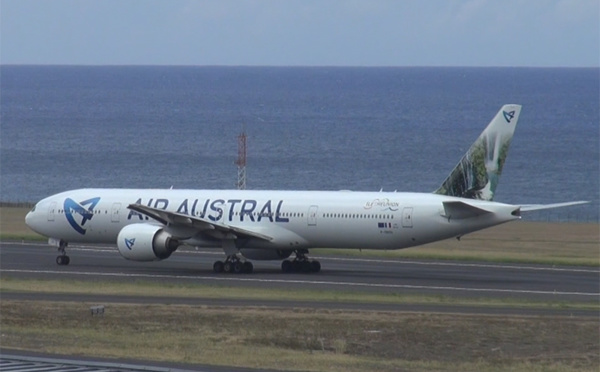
{"type": "Point", "coordinates": [33, 209]}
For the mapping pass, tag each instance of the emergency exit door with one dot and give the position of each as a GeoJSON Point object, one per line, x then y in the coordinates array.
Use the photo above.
{"type": "Point", "coordinates": [312, 215]}
{"type": "Point", "coordinates": [407, 217]}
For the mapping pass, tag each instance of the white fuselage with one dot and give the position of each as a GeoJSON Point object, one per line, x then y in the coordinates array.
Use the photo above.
{"type": "Point", "coordinates": [294, 219]}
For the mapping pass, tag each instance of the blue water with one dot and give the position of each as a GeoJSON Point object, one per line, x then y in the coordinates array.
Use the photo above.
{"type": "Point", "coordinates": [65, 127]}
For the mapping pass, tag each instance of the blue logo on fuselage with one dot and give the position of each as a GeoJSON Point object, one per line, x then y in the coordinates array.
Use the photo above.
{"type": "Point", "coordinates": [72, 207]}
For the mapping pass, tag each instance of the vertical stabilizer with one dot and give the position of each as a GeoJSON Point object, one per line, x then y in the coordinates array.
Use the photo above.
{"type": "Point", "coordinates": [476, 175]}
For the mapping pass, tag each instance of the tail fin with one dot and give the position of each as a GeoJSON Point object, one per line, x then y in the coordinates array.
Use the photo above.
{"type": "Point", "coordinates": [476, 175]}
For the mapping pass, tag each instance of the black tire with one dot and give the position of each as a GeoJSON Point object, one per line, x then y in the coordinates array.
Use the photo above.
{"type": "Point", "coordinates": [248, 267]}
{"type": "Point", "coordinates": [218, 267]}
{"type": "Point", "coordinates": [315, 266]}
{"type": "Point", "coordinates": [67, 260]}
{"type": "Point", "coordinates": [286, 266]}
{"type": "Point", "coordinates": [296, 266]}
{"type": "Point", "coordinates": [228, 267]}
{"type": "Point", "coordinates": [59, 260]}
{"type": "Point", "coordinates": [238, 267]}
{"type": "Point", "coordinates": [306, 266]}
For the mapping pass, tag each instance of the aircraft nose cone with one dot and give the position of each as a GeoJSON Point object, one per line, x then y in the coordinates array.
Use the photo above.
{"type": "Point", "coordinates": [28, 219]}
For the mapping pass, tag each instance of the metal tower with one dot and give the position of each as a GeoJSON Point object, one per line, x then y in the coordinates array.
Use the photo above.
{"type": "Point", "coordinates": [241, 160]}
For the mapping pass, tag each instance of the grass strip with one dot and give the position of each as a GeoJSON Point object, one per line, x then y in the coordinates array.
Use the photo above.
{"type": "Point", "coordinates": [304, 339]}
{"type": "Point", "coordinates": [195, 290]}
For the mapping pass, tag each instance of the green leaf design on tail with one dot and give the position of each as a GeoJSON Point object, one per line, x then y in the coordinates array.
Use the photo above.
{"type": "Point", "coordinates": [477, 174]}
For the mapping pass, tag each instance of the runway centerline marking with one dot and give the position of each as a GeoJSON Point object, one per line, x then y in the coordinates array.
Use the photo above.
{"type": "Point", "coordinates": [309, 282]}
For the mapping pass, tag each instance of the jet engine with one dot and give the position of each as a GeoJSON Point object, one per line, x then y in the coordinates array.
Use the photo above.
{"type": "Point", "coordinates": [145, 242]}
{"type": "Point", "coordinates": [265, 254]}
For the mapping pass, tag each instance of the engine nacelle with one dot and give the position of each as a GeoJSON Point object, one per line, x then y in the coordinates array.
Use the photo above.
{"type": "Point", "coordinates": [265, 254]}
{"type": "Point", "coordinates": [145, 242]}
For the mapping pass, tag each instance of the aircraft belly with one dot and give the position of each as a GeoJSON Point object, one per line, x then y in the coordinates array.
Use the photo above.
{"type": "Point", "coordinates": [353, 235]}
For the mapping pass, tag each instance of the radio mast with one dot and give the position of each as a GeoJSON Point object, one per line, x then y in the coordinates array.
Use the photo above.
{"type": "Point", "coordinates": [241, 160]}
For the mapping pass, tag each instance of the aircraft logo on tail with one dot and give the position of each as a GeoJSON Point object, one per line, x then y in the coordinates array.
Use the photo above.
{"type": "Point", "coordinates": [508, 116]}
{"type": "Point", "coordinates": [129, 243]}
{"type": "Point", "coordinates": [72, 209]}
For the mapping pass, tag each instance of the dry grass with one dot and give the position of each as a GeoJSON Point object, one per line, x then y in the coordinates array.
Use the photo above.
{"type": "Point", "coordinates": [301, 339]}
{"type": "Point", "coordinates": [205, 291]}
{"type": "Point", "coordinates": [12, 224]}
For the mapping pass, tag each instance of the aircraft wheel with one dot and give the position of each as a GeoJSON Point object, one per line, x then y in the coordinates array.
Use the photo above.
{"type": "Point", "coordinates": [296, 266]}
{"type": "Point", "coordinates": [228, 267]}
{"type": "Point", "coordinates": [59, 260]}
{"type": "Point", "coordinates": [67, 260]}
{"type": "Point", "coordinates": [306, 266]}
{"type": "Point", "coordinates": [218, 267]}
{"type": "Point", "coordinates": [248, 267]}
{"type": "Point", "coordinates": [63, 260]}
{"type": "Point", "coordinates": [315, 266]}
{"type": "Point", "coordinates": [286, 266]}
{"type": "Point", "coordinates": [238, 267]}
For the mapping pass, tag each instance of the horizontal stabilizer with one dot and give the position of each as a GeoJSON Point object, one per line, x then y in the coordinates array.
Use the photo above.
{"type": "Point", "coordinates": [537, 207]}
{"type": "Point", "coordinates": [458, 210]}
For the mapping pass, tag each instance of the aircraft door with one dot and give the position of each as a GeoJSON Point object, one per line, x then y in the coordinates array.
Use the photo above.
{"type": "Point", "coordinates": [114, 216]}
{"type": "Point", "coordinates": [51, 211]}
{"type": "Point", "coordinates": [312, 215]}
{"type": "Point", "coordinates": [407, 217]}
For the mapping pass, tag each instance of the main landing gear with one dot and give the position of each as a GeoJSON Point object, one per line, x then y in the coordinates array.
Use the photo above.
{"type": "Point", "coordinates": [62, 259]}
{"type": "Point", "coordinates": [301, 264]}
{"type": "Point", "coordinates": [233, 264]}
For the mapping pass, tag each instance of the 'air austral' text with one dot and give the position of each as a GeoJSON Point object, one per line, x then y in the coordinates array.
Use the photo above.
{"type": "Point", "coordinates": [220, 209]}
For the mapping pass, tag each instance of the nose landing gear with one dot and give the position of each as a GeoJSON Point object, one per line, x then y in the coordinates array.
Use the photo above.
{"type": "Point", "coordinates": [62, 259]}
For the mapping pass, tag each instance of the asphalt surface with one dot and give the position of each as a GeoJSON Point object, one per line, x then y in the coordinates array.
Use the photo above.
{"type": "Point", "coordinates": [561, 285]}
{"type": "Point", "coordinates": [27, 361]}
{"type": "Point", "coordinates": [455, 279]}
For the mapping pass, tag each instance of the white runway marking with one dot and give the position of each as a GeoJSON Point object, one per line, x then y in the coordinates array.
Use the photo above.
{"type": "Point", "coordinates": [309, 282]}
{"type": "Point", "coordinates": [462, 264]}
{"type": "Point", "coordinates": [218, 252]}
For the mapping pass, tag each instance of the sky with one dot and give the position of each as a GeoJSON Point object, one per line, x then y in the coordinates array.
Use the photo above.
{"type": "Point", "coordinates": [543, 33]}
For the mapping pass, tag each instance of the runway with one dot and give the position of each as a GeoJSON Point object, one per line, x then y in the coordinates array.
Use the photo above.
{"type": "Point", "coordinates": [454, 279]}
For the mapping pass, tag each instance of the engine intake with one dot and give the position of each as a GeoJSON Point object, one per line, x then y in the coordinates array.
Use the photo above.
{"type": "Point", "coordinates": [145, 242]}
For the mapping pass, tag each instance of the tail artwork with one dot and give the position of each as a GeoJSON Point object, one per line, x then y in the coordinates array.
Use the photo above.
{"type": "Point", "coordinates": [476, 175]}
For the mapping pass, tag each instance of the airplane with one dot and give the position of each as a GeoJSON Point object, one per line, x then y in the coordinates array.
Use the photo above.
{"type": "Point", "coordinates": [150, 224]}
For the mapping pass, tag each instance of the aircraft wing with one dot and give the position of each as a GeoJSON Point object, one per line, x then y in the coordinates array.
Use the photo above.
{"type": "Point", "coordinates": [536, 207]}
{"type": "Point", "coordinates": [200, 224]}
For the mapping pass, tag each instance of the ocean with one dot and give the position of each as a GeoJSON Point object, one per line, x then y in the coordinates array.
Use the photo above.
{"type": "Point", "coordinates": [309, 128]}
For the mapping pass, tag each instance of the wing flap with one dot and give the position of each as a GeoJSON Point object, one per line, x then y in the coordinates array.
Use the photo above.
{"type": "Point", "coordinates": [200, 224]}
